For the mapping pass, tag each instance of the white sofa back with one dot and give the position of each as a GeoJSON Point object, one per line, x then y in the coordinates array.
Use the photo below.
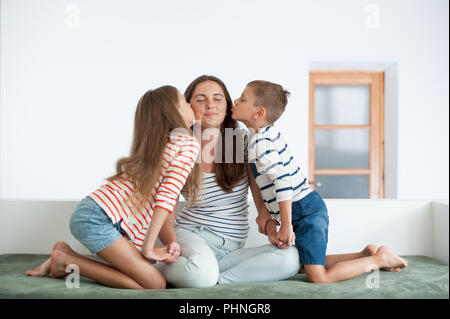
{"type": "Point", "coordinates": [409, 227]}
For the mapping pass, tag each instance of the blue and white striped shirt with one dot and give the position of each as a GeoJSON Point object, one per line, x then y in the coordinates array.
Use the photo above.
{"type": "Point", "coordinates": [277, 174]}
{"type": "Point", "coordinates": [225, 214]}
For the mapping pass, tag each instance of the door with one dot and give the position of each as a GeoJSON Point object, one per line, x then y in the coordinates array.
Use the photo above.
{"type": "Point", "coordinates": [346, 133]}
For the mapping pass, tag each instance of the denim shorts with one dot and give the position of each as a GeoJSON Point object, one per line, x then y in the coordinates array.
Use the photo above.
{"type": "Point", "coordinates": [90, 225]}
{"type": "Point", "coordinates": [310, 222]}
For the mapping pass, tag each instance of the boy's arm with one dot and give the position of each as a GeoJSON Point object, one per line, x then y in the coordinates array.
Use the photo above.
{"type": "Point", "coordinates": [263, 213]}
{"type": "Point", "coordinates": [271, 164]}
{"type": "Point", "coordinates": [286, 233]}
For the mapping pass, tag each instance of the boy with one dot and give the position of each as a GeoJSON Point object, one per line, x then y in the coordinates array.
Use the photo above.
{"type": "Point", "coordinates": [287, 195]}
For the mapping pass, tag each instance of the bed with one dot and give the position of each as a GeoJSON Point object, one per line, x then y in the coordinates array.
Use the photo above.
{"type": "Point", "coordinates": [418, 230]}
{"type": "Point", "coordinates": [424, 278]}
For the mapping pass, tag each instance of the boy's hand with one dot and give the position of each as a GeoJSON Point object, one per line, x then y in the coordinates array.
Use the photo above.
{"type": "Point", "coordinates": [261, 220]}
{"type": "Point", "coordinates": [286, 235]}
{"type": "Point", "coordinates": [174, 249]}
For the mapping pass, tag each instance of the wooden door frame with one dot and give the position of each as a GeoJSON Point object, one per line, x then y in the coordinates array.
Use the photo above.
{"type": "Point", "coordinates": [376, 158]}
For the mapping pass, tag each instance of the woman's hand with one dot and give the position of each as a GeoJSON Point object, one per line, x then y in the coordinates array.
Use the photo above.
{"type": "Point", "coordinates": [261, 220]}
{"type": "Point", "coordinates": [271, 229]}
{"type": "Point", "coordinates": [174, 250]}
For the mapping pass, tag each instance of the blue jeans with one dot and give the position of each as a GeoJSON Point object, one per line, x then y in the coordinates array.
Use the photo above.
{"type": "Point", "coordinates": [310, 222]}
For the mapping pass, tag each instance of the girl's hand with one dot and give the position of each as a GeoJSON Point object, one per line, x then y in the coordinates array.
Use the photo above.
{"type": "Point", "coordinates": [174, 250]}
{"type": "Point", "coordinates": [157, 254]}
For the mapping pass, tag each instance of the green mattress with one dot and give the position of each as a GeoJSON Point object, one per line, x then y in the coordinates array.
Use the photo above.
{"type": "Point", "coordinates": [425, 278]}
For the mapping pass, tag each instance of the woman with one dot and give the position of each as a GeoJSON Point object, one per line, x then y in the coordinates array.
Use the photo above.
{"type": "Point", "coordinates": [212, 229]}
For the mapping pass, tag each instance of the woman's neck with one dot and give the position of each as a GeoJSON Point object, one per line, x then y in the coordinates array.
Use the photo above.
{"type": "Point", "coordinates": [209, 139]}
{"type": "Point", "coordinates": [209, 135]}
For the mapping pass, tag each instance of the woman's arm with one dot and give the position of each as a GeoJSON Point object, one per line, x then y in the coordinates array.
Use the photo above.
{"type": "Point", "coordinates": [263, 213]}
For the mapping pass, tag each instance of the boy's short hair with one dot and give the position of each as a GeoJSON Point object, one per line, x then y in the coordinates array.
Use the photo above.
{"type": "Point", "coordinates": [271, 96]}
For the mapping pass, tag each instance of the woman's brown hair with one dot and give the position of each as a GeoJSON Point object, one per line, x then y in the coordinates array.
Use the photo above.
{"type": "Point", "coordinates": [227, 174]}
{"type": "Point", "coordinates": [156, 117]}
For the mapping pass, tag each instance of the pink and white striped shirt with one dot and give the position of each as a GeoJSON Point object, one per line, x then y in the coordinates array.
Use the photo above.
{"type": "Point", "coordinates": [114, 197]}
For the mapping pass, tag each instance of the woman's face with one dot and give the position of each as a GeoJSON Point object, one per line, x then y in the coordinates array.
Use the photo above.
{"type": "Point", "coordinates": [209, 104]}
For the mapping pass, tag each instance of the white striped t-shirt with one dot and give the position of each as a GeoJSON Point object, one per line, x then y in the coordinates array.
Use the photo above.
{"type": "Point", "coordinates": [225, 214]}
{"type": "Point", "coordinates": [114, 197]}
{"type": "Point", "coordinates": [275, 170]}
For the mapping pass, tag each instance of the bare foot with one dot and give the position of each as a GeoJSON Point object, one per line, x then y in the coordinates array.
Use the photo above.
{"type": "Point", "coordinates": [369, 250]}
{"type": "Point", "coordinates": [44, 268]}
{"type": "Point", "coordinates": [390, 261]}
{"type": "Point", "coordinates": [58, 266]}
{"type": "Point", "coordinates": [40, 270]}
{"type": "Point", "coordinates": [63, 246]}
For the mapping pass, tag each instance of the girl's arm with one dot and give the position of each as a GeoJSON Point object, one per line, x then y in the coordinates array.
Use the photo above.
{"type": "Point", "coordinates": [181, 163]}
{"type": "Point", "coordinates": [167, 236]}
{"type": "Point", "coordinates": [148, 250]}
{"type": "Point", "coordinates": [167, 232]}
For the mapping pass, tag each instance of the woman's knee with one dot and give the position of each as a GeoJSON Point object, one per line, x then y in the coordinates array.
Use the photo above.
{"type": "Point", "coordinates": [195, 271]}
{"type": "Point", "coordinates": [202, 272]}
{"type": "Point", "coordinates": [290, 262]}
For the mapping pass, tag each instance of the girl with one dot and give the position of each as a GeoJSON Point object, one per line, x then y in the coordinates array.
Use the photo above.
{"type": "Point", "coordinates": [142, 193]}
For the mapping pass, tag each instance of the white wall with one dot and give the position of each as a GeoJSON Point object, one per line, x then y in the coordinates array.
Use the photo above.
{"type": "Point", "coordinates": [440, 231]}
{"type": "Point", "coordinates": [408, 227]}
{"type": "Point", "coordinates": [68, 92]}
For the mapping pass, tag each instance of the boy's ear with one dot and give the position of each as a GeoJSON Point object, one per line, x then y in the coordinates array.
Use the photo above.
{"type": "Point", "coordinates": [260, 113]}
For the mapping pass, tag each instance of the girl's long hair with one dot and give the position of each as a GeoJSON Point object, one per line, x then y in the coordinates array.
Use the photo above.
{"type": "Point", "coordinates": [227, 174]}
{"type": "Point", "coordinates": [156, 116]}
